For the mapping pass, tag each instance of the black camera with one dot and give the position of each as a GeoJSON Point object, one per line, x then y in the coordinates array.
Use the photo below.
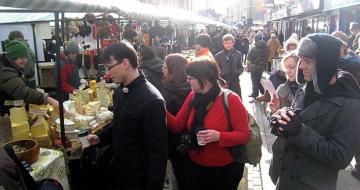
{"type": "Point", "coordinates": [185, 143]}
{"type": "Point", "coordinates": [275, 126]}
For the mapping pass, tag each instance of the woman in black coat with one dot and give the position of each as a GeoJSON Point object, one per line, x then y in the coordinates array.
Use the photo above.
{"type": "Point", "coordinates": [175, 91]}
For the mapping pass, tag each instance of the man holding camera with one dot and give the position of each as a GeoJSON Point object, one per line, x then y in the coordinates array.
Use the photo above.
{"type": "Point", "coordinates": [321, 131]}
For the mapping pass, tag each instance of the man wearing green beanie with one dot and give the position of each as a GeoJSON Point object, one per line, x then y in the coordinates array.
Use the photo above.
{"type": "Point", "coordinates": [12, 80]}
{"type": "Point", "coordinates": [29, 69]}
{"type": "Point", "coordinates": [70, 79]}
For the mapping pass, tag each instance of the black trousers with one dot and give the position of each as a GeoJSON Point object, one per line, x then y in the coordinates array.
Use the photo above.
{"type": "Point", "coordinates": [256, 85]}
{"type": "Point", "coordinates": [213, 178]}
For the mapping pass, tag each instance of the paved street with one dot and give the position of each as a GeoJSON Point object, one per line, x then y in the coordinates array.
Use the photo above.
{"type": "Point", "coordinates": [345, 181]}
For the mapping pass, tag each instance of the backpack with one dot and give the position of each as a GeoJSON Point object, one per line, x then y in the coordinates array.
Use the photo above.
{"type": "Point", "coordinates": [251, 151]}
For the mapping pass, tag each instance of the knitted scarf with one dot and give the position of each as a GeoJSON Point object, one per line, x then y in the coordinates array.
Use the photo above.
{"type": "Point", "coordinates": [201, 104]}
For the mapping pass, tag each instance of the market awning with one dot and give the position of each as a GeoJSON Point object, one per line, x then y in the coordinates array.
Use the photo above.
{"type": "Point", "coordinates": [25, 17]}
{"type": "Point", "coordinates": [130, 9]}
{"type": "Point", "coordinates": [58, 5]}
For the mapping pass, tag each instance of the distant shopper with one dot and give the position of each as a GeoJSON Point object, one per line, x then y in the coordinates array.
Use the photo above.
{"type": "Point", "coordinates": [355, 30]}
{"type": "Point", "coordinates": [152, 66]}
{"type": "Point", "coordinates": [244, 47]}
{"type": "Point", "coordinates": [217, 45]}
{"type": "Point", "coordinates": [29, 70]}
{"type": "Point", "coordinates": [202, 46]}
{"type": "Point", "coordinates": [273, 45]}
{"type": "Point", "coordinates": [69, 73]}
{"type": "Point", "coordinates": [291, 43]}
{"type": "Point", "coordinates": [257, 64]}
{"type": "Point", "coordinates": [281, 38]}
{"type": "Point", "coordinates": [230, 64]}
{"type": "Point", "coordinates": [267, 35]}
{"type": "Point", "coordinates": [345, 52]}
{"type": "Point", "coordinates": [138, 133]}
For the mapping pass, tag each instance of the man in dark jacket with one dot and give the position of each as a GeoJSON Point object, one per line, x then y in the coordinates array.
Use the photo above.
{"type": "Point", "coordinates": [12, 80]}
{"type": "Point", "coordinates": [230, 64]}
{"type": "Point", "coordinates": [138, 134]}
{"type": "Point", "coordinates": [257, 63]}
{"type": "Point", "coordinates": [152, 66]}
{"type": "Point", "coordinates": [322, 131]}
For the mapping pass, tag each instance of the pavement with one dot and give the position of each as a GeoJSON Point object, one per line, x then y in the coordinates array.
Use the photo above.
{"type": "Point", "coordinates": [257, 178]}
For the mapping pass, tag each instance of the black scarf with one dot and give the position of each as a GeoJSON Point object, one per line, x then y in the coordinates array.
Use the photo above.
{"type": "Point", "coordinates": [201, 103]}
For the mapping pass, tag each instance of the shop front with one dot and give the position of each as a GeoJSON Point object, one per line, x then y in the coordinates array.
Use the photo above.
{"type": "Point", "coordinates": [341, 14]}
{"type": "Point", "coordinates": [280, 22]}
{"type": "Point", "coordinates": [306, 17]}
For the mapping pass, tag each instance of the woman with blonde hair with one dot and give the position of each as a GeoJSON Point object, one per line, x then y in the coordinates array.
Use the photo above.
{"type": "Point", "coordinates": [284, 96]}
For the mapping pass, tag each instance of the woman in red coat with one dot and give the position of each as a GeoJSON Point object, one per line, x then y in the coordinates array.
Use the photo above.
{"type": "Point", "coordinates": [203, 117]}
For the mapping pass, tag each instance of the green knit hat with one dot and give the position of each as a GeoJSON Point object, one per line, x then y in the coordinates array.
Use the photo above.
{"type": "Point", "coordinates": [16, 49]}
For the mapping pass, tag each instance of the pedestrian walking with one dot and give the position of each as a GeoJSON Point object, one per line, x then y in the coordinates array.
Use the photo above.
{"type": "Point", "coordinates": [230, 64]}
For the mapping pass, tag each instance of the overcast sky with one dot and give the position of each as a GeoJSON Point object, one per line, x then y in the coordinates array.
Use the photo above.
{"type": "Point", "coordinates": [219, 5]}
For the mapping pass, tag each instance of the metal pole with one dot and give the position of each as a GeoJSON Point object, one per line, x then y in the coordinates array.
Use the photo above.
{"type": "Point", "coordinates": [59, 88]}
{"type": "Point", "coordinates": [36, 53]}
{"type": "Point", "coordinates": [63, 29]}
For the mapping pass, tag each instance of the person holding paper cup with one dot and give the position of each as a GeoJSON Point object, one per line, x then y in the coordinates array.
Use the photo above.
{"type": "Point", "coordinates": [203, 121]}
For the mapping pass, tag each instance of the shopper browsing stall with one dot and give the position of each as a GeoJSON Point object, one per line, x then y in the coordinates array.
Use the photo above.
{"type": "Point", "coordinates": [138, 134]}
{"type": "Point", "coordinates": [69, 76]}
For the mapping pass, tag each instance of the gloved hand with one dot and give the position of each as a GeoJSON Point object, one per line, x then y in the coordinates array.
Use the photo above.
{"type": "Point", "coordinates": [291, 127]}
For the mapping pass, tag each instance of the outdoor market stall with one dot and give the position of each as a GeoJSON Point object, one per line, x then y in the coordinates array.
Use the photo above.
{"type": "Point", "coordinates": [87, 109]}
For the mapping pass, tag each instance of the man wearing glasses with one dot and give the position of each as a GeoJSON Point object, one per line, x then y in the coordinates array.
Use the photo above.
{"type": "Point", "coordinates": [138, 133]}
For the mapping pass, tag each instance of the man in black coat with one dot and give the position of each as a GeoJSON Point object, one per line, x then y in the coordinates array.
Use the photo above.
{"type": "Point", "coordinates": [138, 133]}
{"type": "Point", "coordinates": [230, 64]}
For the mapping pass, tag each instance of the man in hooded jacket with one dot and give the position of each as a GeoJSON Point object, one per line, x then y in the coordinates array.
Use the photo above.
{"type": "Point", "coordinates": [321, 130]}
